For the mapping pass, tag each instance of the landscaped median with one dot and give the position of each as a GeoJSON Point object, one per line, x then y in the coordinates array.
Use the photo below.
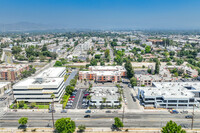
{"type": "Point", "coordinates": [64, 100]}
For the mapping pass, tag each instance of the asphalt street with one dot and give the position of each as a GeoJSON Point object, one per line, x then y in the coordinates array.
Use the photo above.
{"type": "Point", "coordinates": [71, 76]}
{"type": "Point", "coordinates": [38, 119]}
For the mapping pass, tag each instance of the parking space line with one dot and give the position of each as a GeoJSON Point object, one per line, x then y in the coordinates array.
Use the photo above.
{"type": "Point", "coordinates": [78, 99]}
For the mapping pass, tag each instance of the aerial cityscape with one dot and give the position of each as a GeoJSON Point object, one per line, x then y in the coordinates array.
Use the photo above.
{"type": "Point", "coordinates": [100, 66]}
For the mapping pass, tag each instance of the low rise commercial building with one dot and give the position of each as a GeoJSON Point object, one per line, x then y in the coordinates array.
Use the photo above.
{"type": "Point", "coordinates": [170, 95]}
{"type": "Point", "coordinates": [4, 86]}
{"type": "Point", "coordinates": [42, 86]}
{"type": "Point", "coordinates": [148, 79]}
{"type": "Point", "coordinates": [103, 73]}
{"type": "Point", "coordinates": [109, 94]}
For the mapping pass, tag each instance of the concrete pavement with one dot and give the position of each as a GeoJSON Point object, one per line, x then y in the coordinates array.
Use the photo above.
{"type": "Point", "coordinates": [99, 119]}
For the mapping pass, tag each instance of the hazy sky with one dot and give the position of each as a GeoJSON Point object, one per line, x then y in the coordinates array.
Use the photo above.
{"type": "Point", "coordinates": [142, 14]}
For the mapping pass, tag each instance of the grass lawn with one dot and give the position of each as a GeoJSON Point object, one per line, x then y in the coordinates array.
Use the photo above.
{"type": "Point", "coordinates": [42, 106]}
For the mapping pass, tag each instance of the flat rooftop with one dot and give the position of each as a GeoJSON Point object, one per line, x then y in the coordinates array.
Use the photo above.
{"type": "Point", "coordinates": [51, 72]}
{"type": "Point", "coordinates": [110, 93]}
{"type": "Point", "coordinates": [38, 83]}
{"type": "Point", "coordinates": [106, 68]}
{"type": "Point", "coordinates": [12, 67]}
{"type": "Point", "coordinates": [2, 84]}
{"type": "Point", "coordinates": [102, 73]}
{"type": "Point", "coordinates": [171, 89]}
{"type": "Point", "coordinates": [152, 77]}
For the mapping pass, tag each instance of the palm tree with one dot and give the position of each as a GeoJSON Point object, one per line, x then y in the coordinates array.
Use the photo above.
{"type": "Point", "coordinates": [120, 99]}
{"type": "Point", "coordinates": [52, 107]}
{"type": "Point", "coordinates": [103, 100]}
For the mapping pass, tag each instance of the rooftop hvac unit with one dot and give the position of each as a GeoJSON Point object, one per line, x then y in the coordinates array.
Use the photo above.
{"type": "Point", "coordinates": [38, 80]}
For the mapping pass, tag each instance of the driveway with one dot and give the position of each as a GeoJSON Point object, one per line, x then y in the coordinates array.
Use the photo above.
{"type": "Point", "coordinates": [71, 76]}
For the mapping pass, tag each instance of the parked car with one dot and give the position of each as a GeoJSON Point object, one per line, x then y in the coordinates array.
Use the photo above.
{"type": "Point", "coordinates": [68, 107]}
{"type": "Point", "coordinates": [188, 116]}
{"type": "Point", "coordinates": [87, 116]}
{"type": "Point", "coordinates": [88, 111]}
{"type": "Point", "coordinates": [86, 94]}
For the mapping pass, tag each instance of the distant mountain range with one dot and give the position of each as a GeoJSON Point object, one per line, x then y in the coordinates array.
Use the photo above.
{"type": "Point", "coordinates": [27, 26]}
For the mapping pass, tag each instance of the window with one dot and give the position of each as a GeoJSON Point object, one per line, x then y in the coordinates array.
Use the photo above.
{"type": "Point", "coordinates": [172, 101]}
{"type": "Point", "coordinates": [183, 101]}
{"type": "Point", "coordinates": [191, 100]}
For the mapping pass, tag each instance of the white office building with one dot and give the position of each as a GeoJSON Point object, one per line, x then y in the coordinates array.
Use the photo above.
{"type": "Point", "coordinates": [42, 86]}
{"type": "Point", "coordinates": [170, 95]}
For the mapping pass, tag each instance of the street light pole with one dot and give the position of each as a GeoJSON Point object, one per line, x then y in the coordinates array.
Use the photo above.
{"type": "Point", "coordinates": [123, 115]}
{"type": "Point", "coordinates": [192, 118]}
{"type": "Point", "coordinates": [52, 109]}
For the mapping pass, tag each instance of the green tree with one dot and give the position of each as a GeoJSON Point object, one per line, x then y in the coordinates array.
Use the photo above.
{"type": "Point", "coordinates": [172, 127]}
{"type": "Point", "coordinates": [33, 105]}
{"type": "Point", "coordinates": [107, 53]}
{"type": "Point", "coordinates": [89, 97]}
{"type": "Point", "coordinates": [65, 125]}
{"type": "Point", "coordinates": [72, 82]}
{"type": "Point", "coordinates": [157, 67]}
{"type": "Point", "coordinates": [102, 63]}
{"type": "Point", "coordinates": [147, 49]}
{"type": "Point", "coordinates": [23, 120]}
{"type": "Point", "coordinates": [57, 42]}
{"type": "Point", "coordinates": [31, 58]}
{"type": "Point", "coordinates": [16, 50]}
{"type": "Point", "coordinates": [69, 89]}
{"type": "Point", "coordinates": [129, 69]}
{"type": "Point", "coordinates": [93, 62]}
{"type": "Point", "coordinates": [21, 104]}
{"type": "Point", "coordinates": [133, 81]}
{"type": "Point", "coordinates": [44, 47]}
{"type": "Point", "coordinates": [97, 56]}
{"type": "Point", "coordinates": [81, 128]}
{"type": "Point", "coordinates": [179, 61]}
{"type": "Point", "coordinates": [169, 64]}
{"type": "Point", "coordinates": [104, 100]}
{"type": "Point", "coordinates": [58, 63]}
{"type": "Point", "coordinates": [118, 122]}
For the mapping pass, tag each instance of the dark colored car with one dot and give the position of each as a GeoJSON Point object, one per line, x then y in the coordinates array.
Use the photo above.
{"type": "Point", "coordinates": [87, 116]}
{"type": "Point", "coordinates": [88, 111]}
{"type": "Point", "coordinates": [188, 116]}
{"type": "Point", "coordinates": [50, 111]}
{"type": "Point", "coordinates": [108, 111]}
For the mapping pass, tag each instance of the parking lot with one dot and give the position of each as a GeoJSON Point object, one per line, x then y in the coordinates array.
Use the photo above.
{"type": "Point", "coordinates": [72, 102]}
{"type": "Point", "coordinates": [78, 100]}
{"type": "Point", "coordinates": [83, 102]}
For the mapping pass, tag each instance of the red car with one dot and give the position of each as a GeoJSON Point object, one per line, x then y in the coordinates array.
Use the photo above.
{"type": "Point", "coordinates": [86, 94]}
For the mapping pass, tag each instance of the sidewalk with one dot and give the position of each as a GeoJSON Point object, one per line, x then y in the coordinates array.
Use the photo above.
{"type": "Point", "coordinates": [95, 130]}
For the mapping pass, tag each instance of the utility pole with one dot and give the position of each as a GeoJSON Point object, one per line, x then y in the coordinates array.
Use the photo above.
{"type": "Point", "coordinates": [192, 118]}
{"type": "Point", "coordinates": [52, 108]}
{"type": "Point", "coordinates": [123, 115]}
